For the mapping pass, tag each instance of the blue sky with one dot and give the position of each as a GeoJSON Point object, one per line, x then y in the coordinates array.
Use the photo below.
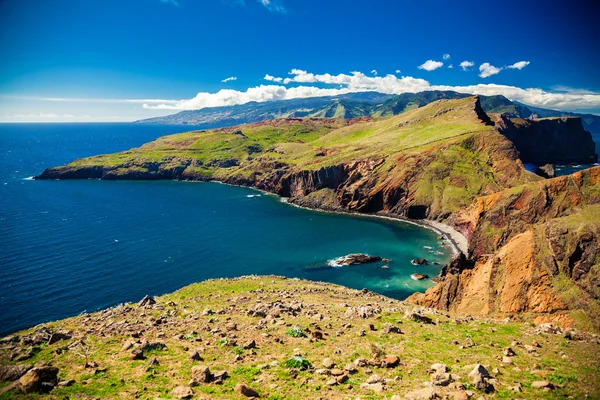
{"type": "Point", "coordinates": [119, 60]}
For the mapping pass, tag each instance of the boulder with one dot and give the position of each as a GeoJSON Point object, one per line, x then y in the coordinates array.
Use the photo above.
{"type": "Point", "coordinates": [419, 277]}
{"type": "Point", "coordinates": [13, 372]}
{"type": "Point", "coordinates": [422, 394]}
{"type": "Point", "coordinates": [328, 363]}
{"type": "Point", "coordinates": [182, 392]}
{"type": "Point", "coordinates": [39, 379]}
{"type": "Point", "coordinates": [354, 259]}
{"type": "Point", "coordinates": [419, 261]}
{"type": "Point", "coordinates": [147, 301]}
{"type": "Point", "coordinates": [246, 390]}
{"type": "Point", "coordinates": [201, 374]}
{"type": "Point", "coordinates": [391, 360]}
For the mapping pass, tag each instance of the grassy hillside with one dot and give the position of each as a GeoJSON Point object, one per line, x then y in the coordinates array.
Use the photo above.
{"type": "Point", "coordinates": [293, 339]}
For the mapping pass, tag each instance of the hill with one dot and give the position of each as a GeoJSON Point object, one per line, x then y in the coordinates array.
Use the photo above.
{"type": "Point", "coordinates": [354, 105]}
{"type": "Point", "coordinates": [278, 338]}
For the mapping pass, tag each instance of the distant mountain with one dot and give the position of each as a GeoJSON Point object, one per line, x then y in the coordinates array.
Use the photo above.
{"type": "Point", "coordinates": [354, 105]}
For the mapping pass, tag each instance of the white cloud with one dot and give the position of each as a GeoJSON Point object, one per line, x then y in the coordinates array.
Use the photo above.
{"type": "Point", "coordinates": [273, 5]}
{"type": "Point", "coordinates": [519, 65]}
{"type": "Point", "coordinates": [374, 72]}
{"type": "Point", "coordinates": [466, 65]}
{"type": "Point", "coordinates": [446, 56]}
{"type": "Point", "coordinates": [397, 71]}
{"type": "Point", "coordinates": [272, 78]}
{"type": "Point", "coordinates": [231, 78]}
{"type": "Point", "coordinates": [431, 65]}
{"type": "Point", "coordinates": [450, 66]}
{"type": "Point", "coordinates": [487, 69]}
{"type": "Point", "coordinates": [561, 98]}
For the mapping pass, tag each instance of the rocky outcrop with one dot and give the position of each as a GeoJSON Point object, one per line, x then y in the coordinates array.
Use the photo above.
{"type": "Point", "coordinates": [537, 251]}
{"type": "Point", "coordinates": [550, 140]}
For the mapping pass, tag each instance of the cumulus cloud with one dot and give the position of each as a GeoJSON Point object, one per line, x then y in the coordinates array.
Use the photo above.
{"type": "Point", "coordinates": [450, 66]}
{"type": "Point", "coordinates": [431, 65]}
{"type": "Point", "coordinates": [374, 72]}
{"type": "Point", "coordinates": [519, 65]}
{"type": "Point", "coordinates": [397, 71]}
{"type": "Point", "coordinates": [465, 65]}
{"type": "Point", "coordinates": [272, 78]}
{"type": "Point", "coordinates": [231, 78]}
{"type": "Point", "coordinates": [487, 69]}
{"type": "Point", "coordinates": [446, 56]}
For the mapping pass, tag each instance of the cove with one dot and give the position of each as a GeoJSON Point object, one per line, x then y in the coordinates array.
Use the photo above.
{"type": "Point", "coordinates": [75, 246]}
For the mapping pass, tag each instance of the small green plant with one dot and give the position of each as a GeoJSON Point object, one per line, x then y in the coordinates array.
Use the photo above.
{"type": "Point", "coordinates": [223, 342]}
{"type": "Point", "coordinates": [238, 350]}
{"type": "Point", "coordinates": [427, 336]}
{"type": "Point", "coordinates": [297, 362]}
{"type": "Point", "coordinates": [190, 336]}
{"type": "Point", "coordinates": [296, 331]}
{"type": "Point", "coordinates": [274, 396]}
{"type": "Point", "coordinates": [561, 379]}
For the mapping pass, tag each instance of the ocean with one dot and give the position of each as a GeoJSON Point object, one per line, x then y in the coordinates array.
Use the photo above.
{"type": "Point", "coordinates": [69, 247]}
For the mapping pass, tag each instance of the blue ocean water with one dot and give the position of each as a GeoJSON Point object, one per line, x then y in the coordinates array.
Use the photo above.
{"type": "Point", "coordinates": [73, 246]}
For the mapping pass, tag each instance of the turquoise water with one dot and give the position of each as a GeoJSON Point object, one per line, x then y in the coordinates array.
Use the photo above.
{"type": "Point", "coordinates": [74, 246]}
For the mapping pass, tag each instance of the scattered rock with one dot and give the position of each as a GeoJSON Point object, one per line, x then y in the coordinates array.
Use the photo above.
{"type": "Point", "coordinates": [389, 328]}
{"type": "Point", "coordinates": [375, 379]}
{"type": "Point", "coordinates": [391, 361]}
{"type": "Point", "coordinates": [182, 392]}
{"type": "Point", "coordinates": [328, 363]}
{"type": "Point", "coordinates": [34, 379]}
{"type": "Point", "coordinates": [542, 385]}
{"type": "Point", "coordinates": [422, 394]}
{"type": "Point", "coordinates": [438, 368]}
{"type": "Point", "coordinates": [354, 259]}
{"type": "Point", "coordinates": [375, 387]}
{"type": "Point", "coordinates": [195, 356]}
{"type": "Point", "coordinates": [508, 352]}
{"type": "Point", "coordinates": [147, 301]}
{"type": "Point", "coordinates": [201, 374]}
{"type": "Point", "coordinates": [246, 390]}
{"type": "Point", "coordinates": [419, 261]}
{"type": "Point", "coordinates": [419, 277]}
{"type": "Point", "coordinates": [250, 345]}
{"type": "Point", "coordinates": [13, 372]}
{"type": "Point", "coordinates": [58, 336]}
{"type": "Point", "coordinates": [69, 382]}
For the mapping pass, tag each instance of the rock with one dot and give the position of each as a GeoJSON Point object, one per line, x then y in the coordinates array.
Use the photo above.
{"type": "Point", "coordinates": [480, 377]}
{"type": "Point", "coordinates": [231, 326]}
{"type": "Point", "coordinates": [438, 368]}
{"type": "Point", "coordinates": [69, 382]}
{"type": "Point", "coordinates": [250, 345]}
{"type": "Point", "coordinates": [13, 372]}
{"type": "Point", "coordinates": [137, 354]}
{"type": "Point", "coordinates": [207, 311]}
{"type": "Point", "coordinates": [219, 377]}
{"type": "Point", "coordinates": [361, 362]}
{"type": "Point", "coordinates": [336, 372]}
{"type": "Point", "coordinates": [351, 368]}
{"type": "Point", "coordinates": [147, 301]}
{"type": "Point", "coordinates": [386, 260]}
{"type": "Point", "coordinates": [322, 371]}
{"type": "Point", "coordinates": [375, 387]}
{"type": "Point", "coordinates": [182, 392]}
{"type": "Point", "coordinates": [153, 362]}
{"type": "Point", "coordinates": [354, 259]}
{"type": "Point", "coordinates": [361, 312]}
{"type": "Point", "coordinates": [547, 171]}
{"type": "Point", "coordinates": [33, 380]}
{"type": "Point", "coordinates": [508, 352]}
{"type": "Point", "coordinates": [568, 335]}
{"type": "Point", "coordinates": [419, 261]}
{"type": "Point", "coordinates": [422, 394]}
{"type": "Point", "coordinates": [419, 317]}
{"type": "Point", "coordinates": [328, 363]}
{"type": "Point", "coordinates": [375, 379]}
{"type": "Point", "coordinates": [246, 390]}
{"type": "Point", "coordinates": [389, 328]}
{"type": "Point", "coordinates": [419, 277]}
{"type": "Point", "coordinates": [201, 374]}
{"type": "Point", "coordinates": [517, 388]}
{"type": "Point", "coordinates": [331, 382]}
{"type": "Point", "coordinates": [391, 361]}
{"type": "Point", "coordinates": [342, 378]}
{"type": "Point", "coordinates": [507, 360]}
{"type": "Point", "coordinates": [479, 371]}
{"type": "Point", "coordinates": [58, 336]}
{"type": "Point", "coordinates": [195, 356]}
{"type": "Point", "coordinates": [542, 385]}
{"type": "Point", "coordinates": [127, 345]}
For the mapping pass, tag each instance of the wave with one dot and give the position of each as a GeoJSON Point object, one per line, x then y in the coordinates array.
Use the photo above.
{"type": "Point", "coordinates": [253, 195]}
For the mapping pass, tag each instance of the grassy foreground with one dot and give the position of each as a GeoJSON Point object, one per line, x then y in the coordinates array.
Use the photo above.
{"type": "Point", "coordinates": [293, 339]}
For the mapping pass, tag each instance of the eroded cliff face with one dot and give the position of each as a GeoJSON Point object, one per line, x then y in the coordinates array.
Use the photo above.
{"type": "Point", "coordinates": [550, 140]}
{"type": "Point", "coordinates": [537, 252]}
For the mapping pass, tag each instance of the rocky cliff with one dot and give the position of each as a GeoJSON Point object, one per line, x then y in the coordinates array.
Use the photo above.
{"type": "Point", "coordinates": [557, 140]}
{"type": "Point", "coordinates": [536, 248]}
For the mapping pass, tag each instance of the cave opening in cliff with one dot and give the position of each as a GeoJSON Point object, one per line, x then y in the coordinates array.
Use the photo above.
{"type": "Point", "coordinates": [416, 212]}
